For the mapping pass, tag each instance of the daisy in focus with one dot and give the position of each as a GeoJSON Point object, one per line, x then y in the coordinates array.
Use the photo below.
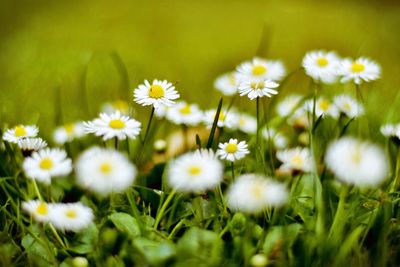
{"type": "Point", "coordinates": [348, 106]}
{"type": "Point", "coordinates": [227, 83]}
{"type": "Point", "coordinates": [104, 171]}
{"type": "Point", "coordinates": [356, 162]}
{"type": "Point", "coordinates": [157, 93]}
{"type": "Point", "coordinates": [254, 89]}
{"type": "Point", "coordinates": [226, 119]}
{"type": "Point", "coordinates": [247, 123]}
{"type": "Point", "coordinates": [359, 70]}
{"type": "Point", "coordinates": [288, 105]}
{"type": "Point", "coordinates": [46, 164]}
{"type": "Point", "coordinates": [19, 132]}
{"type": "Point", "coordinates": [279, 141]}
{"type": "Point", "coordinates": [195, 172]}
{"type": "Point", "coordinates": [322, 66]}
{"type": "Point", "coordinates": [68, 133]}
{"type": "Point", "coordinates": [295, 160]}
{"type": "Point", "coordinates": [251, 193]}
{"type": "Point", "coordinates": [183, 113]}
{"type": "Point", "coordinates": [113, 125]}
{"type": "Point", "coordinates": [29, 145]}
{"type": "Point", "coordinates": [39, 210]}
{"type": "Point", "coordinates": [232, 150]}
{"type": "Point", "coordinates": [71, 216]}
{"type": "Point", "coordinates": [261, 70]}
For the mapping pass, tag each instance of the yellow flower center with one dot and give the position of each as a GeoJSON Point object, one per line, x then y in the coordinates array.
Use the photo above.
{"type": "Point", "coordinates": [71, 214]}
{"type": "Point", "coordinates": [324, 105]}
{"type": "Point", "coordinates": [222, 116]}
{"type": "Point", "coordinates": [20, 131]}
{"type": "Point", "coordinates": [105, 168]}
{"type": "Point", "coordinates": [194, 170]}
{"type": "Point", "coordinates": [256, 86]}
{"type": "Point", "coordinates": [42, 209]}
{"type": "Point", "coordinates": [357, 67]}
{"type": "Point", "coordinates": [185, 110]}
{"type": "Point", "coordinates": [69, 128]}
{"type": "Point", "coordinates": [232, 80]}
{"type": "Point", "coordinates": [347, 106]}
{"type": "Point", "coordinates": [322, 62]}
{"type": "Point", "coordinates": [156, 91]}
{"type": "Point", "coordinates": [257, 191]}
{"type": "Point", "coordinates": [356, 157]}
{"type": "Point", "coordinates": [297, 160]}
{"type": "Point", "coordinates": [117, 124]}
{"type": "Point", "coordinates": [46, 164]}
{"type": "Point", "coordinates": [231, 148]}
{"type": "Point", "coordinates": [259, 70]}
{"type": "Point", "coordinates": [242, 122]}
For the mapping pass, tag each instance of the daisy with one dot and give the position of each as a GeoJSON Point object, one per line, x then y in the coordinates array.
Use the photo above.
{"type": "Point", "coordinates": [226, 119]}
{"type": "Point", "coordinates": [19, 132]}
{"type": "Point", "coordinates": [359, 70]}
{"type": "Point", "coordinates": [227, 83]}
{"type": "Point", "coordinates": [392, 131]}
{"type": "Point", "coordinates": [252, 193]}
{"type": "Point", "coordinates": [295, 159]}
{"type": "Point", "coordinates": [68, 133]}
{"type": "Point", "coordinates": [38, 209]}
{"type": "Point", "coordinates": [183, 113]}
{"type": "Point", "coordinates": [260, 69]}
{"type": "Point", "coordinates": [71, 216]}
{"type": "Point", "coordinates": [195, 172]}
{"type": "Point", "coordinates": [299, 119]}
{"type": "Point", "coordinates": [46, 164]}
{"type": "Point", "coordinates": [28, 145]}
{"type": "Point", "coordinates": [348, 106]}
{"type": "Point", "coordinates": [104, 171]}
{"type": "Point", "coordinates": [322, 66]}
{"type": "Point", "coordinates": [247, 123]}
{"type": "Point", "coordinates": [232, 150]}
{"type": "Point", "coordinates": [113, 125]}
{"type": "Point", "coordinates": [278, 140]}
{"type": "Point", "coordinates": [288, 105]}
{"type": "Point", "coordinates": [356, 162]}
{"type": "Point", "coordinates": [118, 105]}
{"type": "Point", "coordinates": [323, 107]}
{"type": "Point", "coordinates": [254, 89]}
{"type": "Point", "coordinates": [161, 111]}
{"type": "Point", "coordinates": [157, 94]}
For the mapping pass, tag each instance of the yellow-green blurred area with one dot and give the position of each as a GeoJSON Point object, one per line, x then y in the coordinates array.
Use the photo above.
{"type": "Point", "coordinates": [51, 50]}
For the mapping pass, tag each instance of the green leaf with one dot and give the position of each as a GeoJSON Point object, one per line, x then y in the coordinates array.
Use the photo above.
{"type": "Point", "coordinates": [155, 253]}
{"type": "Point", "coordinates": [279, 235]}
{"type": "Point", "coordinates": [86, 240]}
{"type": "Point", "coordinates": [38, 250]}
{"type": "Point", "coordinates": [126, 224]}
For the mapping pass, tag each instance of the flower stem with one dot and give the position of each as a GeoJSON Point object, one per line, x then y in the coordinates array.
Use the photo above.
{"type": "Point", "coordinates": [233, 170]}
{"type": "Point", "coordinates": [160, 213]}
{"type": "Point", "coordinates": [339, 220]}
{"type": "Point", "coordinates": [35, 186]}
{"type": "Point", "coordinates": [57, 236]}
{"type": "Point", "coordinates": [395, 182]}
{"type": "Point", "coordinates": [148, 126]}
{"type": "Point", "coordinates": [258, 120]}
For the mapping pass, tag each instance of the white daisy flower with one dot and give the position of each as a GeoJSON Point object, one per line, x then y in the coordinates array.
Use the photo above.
{"type": "Point", "coordinates": [348, 106]}
{"type": "Point", "coordinates": [299, 119]}
{"type": "Point", "coordinates": [156, 94]}
{"type": "Point", "coordinates": [118, 105]}
{"type": "Point", "coordinates": [232, 150]}
{"type": "Point", "coordinates": [226, 119]}
{"type": "Point", "coordinates": [195, 172]}
{"type": "Point", "coordinates": [161, 111]}
{"type": "Point", "coordinates": [322, 66]}
{"type": "Point", "coordinates": [71, 216]}
{"type": "Point", "coordinates": [227, 83]}
{"type": "Point", "coordinates": [288, 105]}
{"type": "Point", "coordinates": [38, 209]}
{"type": "Point", "coordinates": [356, 162]}
{"type": "Point", "coordinates": [254, 89]}
{"type": "Point", "coordinates": [104, 171]}
{"type": "Point", "coordinates": [391, 130]}
{"type": "Point", "coordinates": [28, 145]}
{"type": "Point", "coordinates": [46, 164]}
{"type": "Point", "coordinates": [261, 70]}
{"type": "Point", "coordinates": [19, 132]}
{"type": "Point", "coordinates": [183, 113]}
{"type": "Point", "coordinates": [295, 159]}
{"type": "Point", "coordinates": [247, 123]}
{"type": "Point", "coordinates": [278, 140]}
{"type": "Point", "coordinates": [359, 70]}
{"type": "Point", "coordinates": [113, 125]}
{"type": "Point", "coordinates": [323, 107]}
{"type": "Point", "coordinates": [252, 193]}
{"type": "Point", "coordinates": [68, 133]}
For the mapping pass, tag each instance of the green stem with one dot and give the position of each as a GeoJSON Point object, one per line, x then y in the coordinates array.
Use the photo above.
{"type": "Point", "coordinates": [340, 218]}
{"type": "Point", "coordinates": [116, 143]}
{"type": "Point", "coordinates": [258, 121]}
{"type": "Point", "coordinates": [176, 229]}
{"type": "Point", "coordinates": [395, 182]}
{"type": "Point", "coordinates": [35, 186]}
{"type": "Point", "coordinates": [160, 213]}
{"type": "Point", "coordinates": [148, 126]}
{"type": "Point", "coordinates": [233, 170]}
{"type": "Point", "coordinates": [57, 236]}
{"type": "Point", "coordinates": [135, 211]}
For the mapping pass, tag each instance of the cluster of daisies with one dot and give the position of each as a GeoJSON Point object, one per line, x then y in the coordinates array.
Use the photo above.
{"type": "Point", "coordinates": [105, 171]}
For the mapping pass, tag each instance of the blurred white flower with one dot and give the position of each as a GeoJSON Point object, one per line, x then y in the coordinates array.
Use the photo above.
{"type": "Point", "coordinates": [391, 130]}
{"type": "Point", "coordinates": [227, 83]}
{"type": "Point", "coordinates": [359, 70]}
{"type": "Point", "coordinates": [232, 150]}
{"type": "Point", "coordinates": [348, 106]}
{"type": "Point", "coordinates": [70, 216]}
{"type": "Point", "coordinates": [19, 132]}
{"type": "Point", "coordinates": [68, 132]}
{"type": "Point", "coordinates": [323, 107]}
{"type": "Point", "coordinates": [322, 66]}
{"type": "Point", "coordinates": [299, 119]}
{"type": "Point", "coordinates": [247, 123]}
{"type": "Point", "coordinates": [295, 159]}
{"type": "Point", "coordinates": [118, 105]}
{"type": "Point", "coordinates": [157, 94]}
{"type": "Point", "coordinates": [229, 119]}
{"type": "Point", "coordinates": [260, 69]}
{"type": "Point", "coordinates": [278, 140]}
{"type": "Point", "coordinates": [39, 210]}
{"type": "Point", "coordinates": [31, 144]}
{"type": "Point", "coordinates": [288, 105]}
{"type": "Point", "coordinates": [183, 113]}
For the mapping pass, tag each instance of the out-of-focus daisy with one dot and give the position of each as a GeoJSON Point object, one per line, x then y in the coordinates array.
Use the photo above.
{"type": "Point", "coordinates": [71, 216]}
{"type": "Point", "coordinates": [104, 171]}
{"type": "Point", "coordinates": [288, 105]}
{"type": "Point", "coordinates": [299, 119]}
{"type": "Point", "coordinates": [359, 70]}
{"type": "Point", "coordinates": [195, 172]}
{"type": "Point", "coordinates": [46, 164]}
{"type": "Point", "coordinates": [161, 111]}
{"type": "Point", "coordinates": [391, 131]}
{"type": "Point", "coordinates": [251, 193]}
{"type": "Point", "coordinates": [357, 162]}
{"type": "Point", "coordinates": [278, 140]}
{"type": "Point", "coordinates": [118, 105]}
{"type": "Point", "coordinates": [348, 106]}
{"type": "Point", "coordinates": [183, 113]}
{"type": "Point", "coordinates": [68, 132]}
{"type": "Point", "coordinates": [323, 107]}
{"type": "Point", "coordinates": [160, 145]}
{"type": "Point", "coordinates": [260, 69]}
{"type": "Point", "coordinates": [227, 83]}
{"type": "Point", "coordinates": [247, 123]}
{"type": "Point", "coordinates": [322, 66]}
{"type": "Point", "coordinates": [226, 119]}
{"type": "Point", "coordinates": [254, 89]}
{"type": "Point", "coordinates": [295, 159]}
{"type": "Point", "coordinates": [232, 150]}
{"type": "Point", "coordinates": [19, 132]}
{"type": "Point", "coordinates": [113, 125]}
{"type": "Point", "coordinates": [156, 94]}
{"type": "Point", "coordinates": [29, 145]}
{"type": "Point", "coordinates": [39, 210]}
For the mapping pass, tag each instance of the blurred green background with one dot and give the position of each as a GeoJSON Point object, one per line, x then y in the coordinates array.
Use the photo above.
{"type": "Point", "coordinates": [51, 50]}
